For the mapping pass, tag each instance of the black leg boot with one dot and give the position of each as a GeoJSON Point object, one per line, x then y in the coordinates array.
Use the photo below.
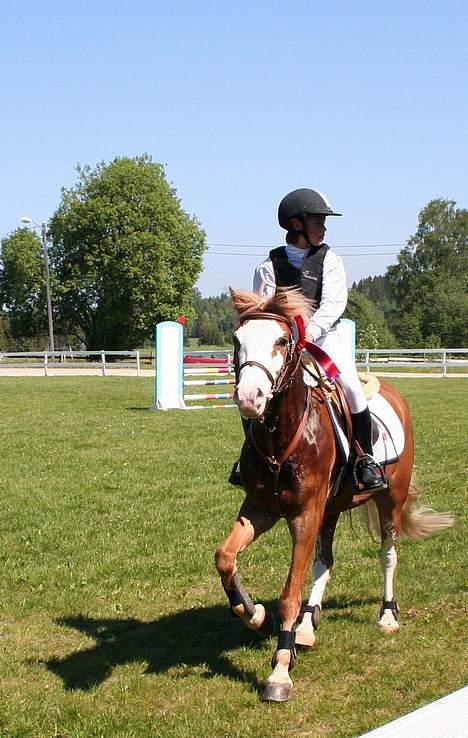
{"type": "Point", "coordinates": [368, 473]}
{"type": "Point", "coordinates": [235, 477]}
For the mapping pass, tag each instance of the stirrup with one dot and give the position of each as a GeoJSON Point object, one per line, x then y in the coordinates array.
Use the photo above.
{"type": "Point", "coordinates": [380, 485]}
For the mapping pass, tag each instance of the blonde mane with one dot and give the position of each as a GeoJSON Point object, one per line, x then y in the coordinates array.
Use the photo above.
{"type": "Point", "coordinates": [287, 302]}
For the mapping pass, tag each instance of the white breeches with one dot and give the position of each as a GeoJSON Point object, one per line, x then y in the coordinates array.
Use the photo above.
{"type": "Point", "coordinates": [349, 379]}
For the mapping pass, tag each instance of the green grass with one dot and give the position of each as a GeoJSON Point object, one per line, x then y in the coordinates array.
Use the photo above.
{"type": "Point", "coordinates": [113, 623]}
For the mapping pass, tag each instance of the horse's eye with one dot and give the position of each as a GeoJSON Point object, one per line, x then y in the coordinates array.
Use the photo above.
{"type": "Point", "coordinates": [282, 342]}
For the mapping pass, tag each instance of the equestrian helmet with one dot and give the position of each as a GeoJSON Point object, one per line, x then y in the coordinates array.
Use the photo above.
{"type": "Point", "coordinates": [302, 202]}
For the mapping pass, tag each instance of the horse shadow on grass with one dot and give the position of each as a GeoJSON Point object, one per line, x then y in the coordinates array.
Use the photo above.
{"type": "Point", "coordinates": [195, 641]}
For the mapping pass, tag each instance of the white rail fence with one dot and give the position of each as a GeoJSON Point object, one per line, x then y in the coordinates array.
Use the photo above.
{"type": "Point", "coordinates": [423, 359]}
{"type": "Point", "coordinates": [66, 362]}
{"type": "Point", "coordinates": [445, 361]}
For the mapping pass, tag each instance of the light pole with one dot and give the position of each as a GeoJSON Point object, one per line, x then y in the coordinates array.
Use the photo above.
{"type": "Point", "coordinates": [28, 221]}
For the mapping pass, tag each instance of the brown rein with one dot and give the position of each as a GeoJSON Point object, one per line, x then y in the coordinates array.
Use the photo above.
{"type": "Point", "coordinates": [279, 385]}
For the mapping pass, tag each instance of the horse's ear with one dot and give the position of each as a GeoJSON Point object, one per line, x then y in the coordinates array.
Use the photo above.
{"type": "Point", "coordinates": [235, 298]}
{"type": "Point", "coordinates": [243, 300]}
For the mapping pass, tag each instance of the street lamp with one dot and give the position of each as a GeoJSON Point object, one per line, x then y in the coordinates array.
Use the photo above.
{"type": "Point", "coordinates": [29, 221]}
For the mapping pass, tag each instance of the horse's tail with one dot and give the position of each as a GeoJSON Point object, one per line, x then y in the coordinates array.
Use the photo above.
{"type": "Point", "coordinates": [422, 522]}
{"type": "Point", "coordinates": [416, 522]}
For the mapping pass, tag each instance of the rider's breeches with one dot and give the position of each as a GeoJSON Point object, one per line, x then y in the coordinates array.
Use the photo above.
{"type": "Point", "coordinates": [349, 379]}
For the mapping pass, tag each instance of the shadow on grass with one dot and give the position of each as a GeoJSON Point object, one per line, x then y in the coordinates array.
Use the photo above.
{"type": "Point", "coordinates": [338, 608]}
{"type": "Point", "coordinates": [198, 639]}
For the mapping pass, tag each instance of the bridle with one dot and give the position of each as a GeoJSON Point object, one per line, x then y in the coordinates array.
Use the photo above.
{"type": "Point", "coordinates": [285, 375]}
{"type": "Point", "coordinates": [291, 365]}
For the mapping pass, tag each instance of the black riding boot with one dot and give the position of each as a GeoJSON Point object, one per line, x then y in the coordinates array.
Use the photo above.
{"type": "Point", "coordinates": [368, 473]}
{"type": "Point", "coordinates": [235, 477]}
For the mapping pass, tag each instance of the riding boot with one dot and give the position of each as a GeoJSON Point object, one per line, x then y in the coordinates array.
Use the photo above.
{"type": "Point", "coordinates": [368, 472]}
{"type": "Point", "coordinates": [235, 477]}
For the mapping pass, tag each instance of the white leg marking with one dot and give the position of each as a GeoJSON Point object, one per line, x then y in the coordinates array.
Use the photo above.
{"type": "Point", "coordinates": [305, 635]}
{"type": "Point", "coordinates": [388, 561]}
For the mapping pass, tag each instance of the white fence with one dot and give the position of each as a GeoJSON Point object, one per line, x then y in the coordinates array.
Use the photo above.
{"type": "Point", "coordinates": [66, 362]}
{"type": "Point", "coordinates": [443, 359]}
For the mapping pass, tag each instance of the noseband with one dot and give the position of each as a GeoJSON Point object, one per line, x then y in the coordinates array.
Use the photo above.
{"type": "Point", "coordinates": [279, 384]}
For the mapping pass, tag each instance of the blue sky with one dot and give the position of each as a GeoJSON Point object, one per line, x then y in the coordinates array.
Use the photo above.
{"type": "Point", "coordinates": [243, 102]}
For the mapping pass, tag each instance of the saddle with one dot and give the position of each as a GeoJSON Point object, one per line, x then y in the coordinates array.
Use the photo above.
{"type": "Point", "coordinates": [387, 432]}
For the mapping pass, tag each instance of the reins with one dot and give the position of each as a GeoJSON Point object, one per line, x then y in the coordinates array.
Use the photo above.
{"type": "Point", "coordinates": [269, 458]}
{"type": "Point", "coordinates": [278, 387]}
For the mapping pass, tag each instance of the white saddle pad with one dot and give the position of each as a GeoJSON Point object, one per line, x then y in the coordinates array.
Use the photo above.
{"type": "Point", "coordinates": [388, 438]}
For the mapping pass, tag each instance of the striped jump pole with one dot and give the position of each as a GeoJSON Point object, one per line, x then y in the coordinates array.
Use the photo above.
{"type": "Point", "coordinates": [170, 374]}
{"type": "Point", "coordinates": [207, 396]}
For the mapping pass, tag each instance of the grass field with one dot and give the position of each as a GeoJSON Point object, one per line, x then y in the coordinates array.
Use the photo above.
{"type": "Point", "coordinates": [113, 623]}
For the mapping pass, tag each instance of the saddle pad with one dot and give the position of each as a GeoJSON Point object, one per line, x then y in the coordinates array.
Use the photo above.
{"type": "Point", "coordinates": [388, 438]}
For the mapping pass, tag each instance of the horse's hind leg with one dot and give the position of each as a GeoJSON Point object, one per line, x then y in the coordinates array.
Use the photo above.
{"type": "Point", "coordinates": [388, 558]}
{"type": "Point", "coordinates": [323, 564]}
{"type": "Point", "coordinates": [250, 524]}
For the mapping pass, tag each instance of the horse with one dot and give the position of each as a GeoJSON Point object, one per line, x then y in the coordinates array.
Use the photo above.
{"type": "Point", "coordinates": [289, 464]}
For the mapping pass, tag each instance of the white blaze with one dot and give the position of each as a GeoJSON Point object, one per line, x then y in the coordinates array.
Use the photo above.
{"type": "Point", "coordinates": [257, 340]}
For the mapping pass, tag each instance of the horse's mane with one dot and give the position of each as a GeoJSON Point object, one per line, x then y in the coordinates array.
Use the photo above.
{"type": "Point", "coordinates": [287, 302]}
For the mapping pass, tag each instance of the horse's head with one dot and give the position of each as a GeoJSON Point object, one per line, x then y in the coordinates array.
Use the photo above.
{"type": "Point", "coordinates": [264, 345]}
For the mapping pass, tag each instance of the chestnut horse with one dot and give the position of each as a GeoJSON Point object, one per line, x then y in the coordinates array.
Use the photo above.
{"type": "Point", "coordinates": [288, 466]}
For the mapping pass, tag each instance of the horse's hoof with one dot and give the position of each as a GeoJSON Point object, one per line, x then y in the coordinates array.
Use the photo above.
{"type": "Point", "coordinates": [305, 638]}
{"type": "Point", "coordinates": [276, 692]}
{"type": "Point", "coordinates": [388, 626]}
{"type": "Point", "coordinates": [305, 631]}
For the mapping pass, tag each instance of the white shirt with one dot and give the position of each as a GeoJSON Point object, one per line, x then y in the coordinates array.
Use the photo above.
{"type": "Point", "coordinates": [334, 289]}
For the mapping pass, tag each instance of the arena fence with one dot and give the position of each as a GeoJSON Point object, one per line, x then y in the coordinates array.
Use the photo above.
{"type": "Point", "coordinates": [54, 362]}
{"type": "Point", "coordinates": [443, 359]}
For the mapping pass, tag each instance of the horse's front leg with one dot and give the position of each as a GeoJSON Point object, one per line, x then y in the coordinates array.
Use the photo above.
{"type": "Point", "coordinates": [321, 571]}
{"type": "Point", "coordinates": [303, 530]}
{"type": "Point", "coordinates": [250, 524]}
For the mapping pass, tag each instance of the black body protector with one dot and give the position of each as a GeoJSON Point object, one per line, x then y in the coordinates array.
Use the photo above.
{"type": "Point", "coordinates": [309, 276]}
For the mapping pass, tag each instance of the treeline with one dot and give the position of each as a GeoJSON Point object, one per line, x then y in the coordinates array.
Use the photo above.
{"type": "Point", "coordinates": [124, 256]}
{"type": "Point", "coordinates": [420, 302]}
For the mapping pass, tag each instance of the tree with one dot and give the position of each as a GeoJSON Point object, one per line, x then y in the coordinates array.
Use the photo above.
{"type": "Point", "coordinates": [215, 319]}
{"type": "Point", "coordinates": [22, 283]}
{"type": "Point", "coordinates": [429, 282]}
{"type": "Point", "coordinates": [372, 330]}
{"type": "Point", "coordinates": [124, 253]}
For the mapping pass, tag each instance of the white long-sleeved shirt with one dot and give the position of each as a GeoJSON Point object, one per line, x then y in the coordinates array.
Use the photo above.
{"type": "Point", "coordinates": [334, 289]}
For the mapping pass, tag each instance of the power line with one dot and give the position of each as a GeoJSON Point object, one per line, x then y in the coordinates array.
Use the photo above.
{"type": "Point", "coordinates": [335, 246]}
{"type": "Point", "coordinates": [260, 256]}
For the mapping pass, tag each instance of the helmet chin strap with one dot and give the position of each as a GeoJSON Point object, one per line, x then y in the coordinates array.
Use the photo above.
{"type": "Point", "coordinates": [303, 232]}
{"type": "Point", "coordinates": [292, 236]}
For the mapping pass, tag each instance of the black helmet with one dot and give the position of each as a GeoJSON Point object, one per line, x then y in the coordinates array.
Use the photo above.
{"type": "Point", "coordinates": [302, 202]}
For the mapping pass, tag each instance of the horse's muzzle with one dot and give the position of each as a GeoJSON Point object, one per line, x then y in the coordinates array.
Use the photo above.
{"type": "Point", "coordinates": [251, 404]}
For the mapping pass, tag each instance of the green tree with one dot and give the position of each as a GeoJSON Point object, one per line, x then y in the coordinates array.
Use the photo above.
{"type": "Point", "coordinates": [429, 283]}
{"type": "Point", "coordinates": [214, 322]}
{"type": "Point", "coordinates": [372, 330]}
{"type": "Point", "coordinates": [22, 283]}
{"type": "Point", "coordinates": [124, 253]}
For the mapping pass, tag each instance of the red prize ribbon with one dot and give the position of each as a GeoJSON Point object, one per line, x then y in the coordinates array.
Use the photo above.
{"type": "Point", "coordinates": [321, 357]}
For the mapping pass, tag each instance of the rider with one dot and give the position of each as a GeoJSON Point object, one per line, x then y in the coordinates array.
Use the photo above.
{"type": "Point", "coordinates": [307, 262]}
